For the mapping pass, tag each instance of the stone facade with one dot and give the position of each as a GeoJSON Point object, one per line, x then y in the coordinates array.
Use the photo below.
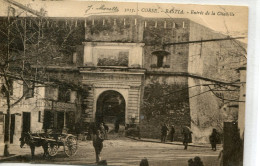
{"type": "Point", "coordinates": [194, 65]}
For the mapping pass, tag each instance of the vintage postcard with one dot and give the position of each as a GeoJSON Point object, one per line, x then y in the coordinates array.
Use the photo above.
{"type": "Point", "coordinates": [116, 83]}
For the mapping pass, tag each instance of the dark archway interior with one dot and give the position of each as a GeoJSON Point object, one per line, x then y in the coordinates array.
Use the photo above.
{"type": "Point", "coordinates": [111, 108]}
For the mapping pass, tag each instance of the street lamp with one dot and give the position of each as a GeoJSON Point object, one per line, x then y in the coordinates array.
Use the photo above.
{"type": "Point", "coordinates": [133, 117]}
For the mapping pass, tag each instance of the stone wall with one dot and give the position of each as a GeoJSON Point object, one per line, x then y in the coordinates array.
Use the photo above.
{"type": "Point", "coordinates": [114, 28]}
{"type": "Point", "coordinates": [164, 31]}
{"type": "Point", "coordinates": [215, 60]}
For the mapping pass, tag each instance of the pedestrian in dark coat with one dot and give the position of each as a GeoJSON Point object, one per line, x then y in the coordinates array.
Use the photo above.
{"type": "Point", "coordinates": [98, 138]}
{"type": "Point", "coordinates": [213, 138]}
{"type": "Point", "coordinates": [117, 122]}
{"type": "Point", "coordinates": [186, 136]}
{"type": "Point", "coordinates": [172, 132]}
{"type": "Point", "coordinates": [138, 132]}
{"type": "Point", "coordinates": [164, 131]}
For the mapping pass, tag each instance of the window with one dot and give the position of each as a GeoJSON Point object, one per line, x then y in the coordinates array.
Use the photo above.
{"type": "Point", "coordinates": [39, 116]}
{"type": "Point", "coordinates": [48, 122]}
{"type": "Point", "coordinates": [161, 59]}
{"type": "Point", "coordinates": [64, 94]}
{"type": "Point", "coordinates": [51, 93]}
{"type": "Point", "coordinates": [28, 89]}
{"type": "Point", "coordinates": [112, 57]}
{"type": "Point", "coordinates": [4, 88]}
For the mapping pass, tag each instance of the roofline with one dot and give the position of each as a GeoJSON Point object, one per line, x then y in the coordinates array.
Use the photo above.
{"type": "Point", "coordinates": [96, 15]}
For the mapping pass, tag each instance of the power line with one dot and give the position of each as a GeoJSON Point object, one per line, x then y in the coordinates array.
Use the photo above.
{"type": "Point", "coordinates": [234, 100]}
{"type": "Point", "coordinates": [200, 41]}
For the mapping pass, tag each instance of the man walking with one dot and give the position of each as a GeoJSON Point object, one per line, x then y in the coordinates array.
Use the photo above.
{"type": "Point", "coordinates": [98, 138]}
{"type": "Point", "coordinates": [213, 139]}
{"type": "Point", "coordinates": [117, 123]}
{"type": "Point", "coordinates": [172, 132]}
{"type": "Point", "coordinates": [164, 131]}
{"type": "Point", "coordinates": [186, 131]}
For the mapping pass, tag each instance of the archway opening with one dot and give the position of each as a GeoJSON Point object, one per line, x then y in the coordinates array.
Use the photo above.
{"type": "Point", "coordinates": [111, 109]}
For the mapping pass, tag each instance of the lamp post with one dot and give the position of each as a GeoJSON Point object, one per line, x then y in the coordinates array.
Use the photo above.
{"type": "Point", "coordinates": [65, 129]}
{"type": "Point", "coordinates": [133, 118]}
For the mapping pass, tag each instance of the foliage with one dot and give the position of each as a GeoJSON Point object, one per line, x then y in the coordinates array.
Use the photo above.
{"type": "Point", "coordinates": [166, 101]}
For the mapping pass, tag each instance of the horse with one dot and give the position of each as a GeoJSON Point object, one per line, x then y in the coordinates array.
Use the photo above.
{"type": "Point", "coordinates": [27, 138]}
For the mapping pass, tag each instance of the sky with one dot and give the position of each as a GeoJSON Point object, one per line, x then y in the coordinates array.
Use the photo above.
{"type": "Point", "coordinates": [234, 22]}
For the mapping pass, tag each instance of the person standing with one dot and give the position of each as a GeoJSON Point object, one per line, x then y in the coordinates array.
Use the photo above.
{"type": "Point", "coordinates": [117, 123]}
{"type": "Point", "coordinates": [138, 132]}
{"type": "Point", "coordinates": [98, 138]}
{"type": "Point", "coordinates": [186, 136]}
{"type": "Point", "coordinates": [106, 130]}
{"type": "Point", "coordinates": [172, 132]}
{"type": "Point", "coordinates": [164, 131]}
{"type": "Point", "coordinates": [213, 138]}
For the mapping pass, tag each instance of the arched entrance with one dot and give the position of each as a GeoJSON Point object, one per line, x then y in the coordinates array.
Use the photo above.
{"type": "Point", "coordinates": [110, 109]}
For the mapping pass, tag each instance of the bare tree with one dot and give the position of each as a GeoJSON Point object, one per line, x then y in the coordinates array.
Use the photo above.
{"type": "Point", "coordinates": [33, 43]}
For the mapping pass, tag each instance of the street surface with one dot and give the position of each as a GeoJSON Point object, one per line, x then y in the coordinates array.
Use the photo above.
{"type": "Point", "coordinates": [124, 152]}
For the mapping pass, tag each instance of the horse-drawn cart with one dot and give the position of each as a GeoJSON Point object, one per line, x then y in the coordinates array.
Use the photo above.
{"type": "Point", "coordinates": [51, 143]}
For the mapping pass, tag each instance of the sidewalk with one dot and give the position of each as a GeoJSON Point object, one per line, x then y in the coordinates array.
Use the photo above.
{"type": "Point", "coordinates": [170, 143]}
{"type": "Point", "coordinates": [18, 152]}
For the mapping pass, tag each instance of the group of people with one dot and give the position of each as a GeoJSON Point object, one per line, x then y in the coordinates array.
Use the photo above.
{"type": "Point", "coordinates": [164, 132]}
{"type": "Point", "coordinates": [186, 132]}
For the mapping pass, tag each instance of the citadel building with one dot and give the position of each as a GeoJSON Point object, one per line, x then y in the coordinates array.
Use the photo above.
{"type": "Point", "coordinates": [145, 71]}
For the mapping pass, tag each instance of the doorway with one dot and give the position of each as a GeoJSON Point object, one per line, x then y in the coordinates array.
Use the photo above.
{"type": "Point", "coordinates": [12, 128]}
{"type": "Point", "coordinates": [60, 121]}
{"type": "Point", "coordinates": [26, 122]}
{"type": "Point", "coordinates": [111, 109]}
{"type": "Point", "coordinates": [48, 122]}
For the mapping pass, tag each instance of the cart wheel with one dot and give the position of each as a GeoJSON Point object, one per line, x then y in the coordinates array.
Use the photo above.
{"type": "Point", "coordinates": [53, 149]}
{"type": "Point", "coordinates": [70, 145]}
